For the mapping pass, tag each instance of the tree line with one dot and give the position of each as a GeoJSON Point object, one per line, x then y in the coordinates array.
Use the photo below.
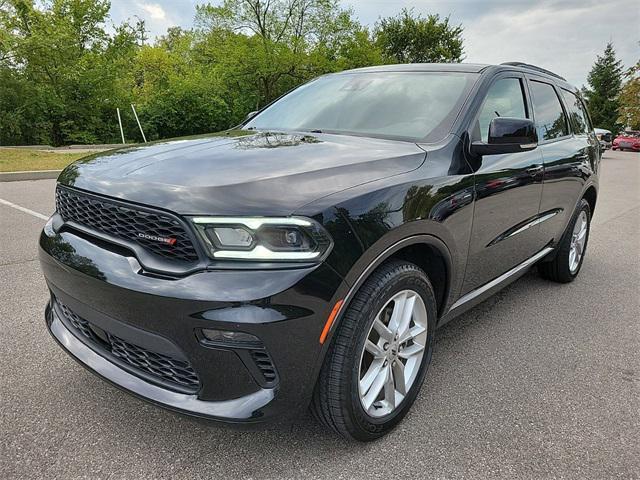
{"type": "Point", "coordinates": [64, 71]}
{"type": "Point", "coordinates": [65, 68]}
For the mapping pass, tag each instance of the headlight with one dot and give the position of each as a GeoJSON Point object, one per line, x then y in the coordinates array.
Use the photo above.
{"type": "Point", "coordinates": [286, 239]}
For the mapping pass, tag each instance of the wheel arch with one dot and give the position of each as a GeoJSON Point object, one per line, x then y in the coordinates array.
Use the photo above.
{"type": "Point", "coordinates": [433, 263]}
{"type": "Point", "coordinates": [408, 248]}
{"type": "Point", "coordinates": [591, 195]}
{"type": "Point", "coordinates": [426, 251]}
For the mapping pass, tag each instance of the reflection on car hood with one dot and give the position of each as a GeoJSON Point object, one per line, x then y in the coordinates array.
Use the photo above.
{"type": "Point", "coordinates": [239, 172]}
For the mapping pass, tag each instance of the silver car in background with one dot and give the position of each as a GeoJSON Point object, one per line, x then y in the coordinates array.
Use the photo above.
{"type": "Point", "coordinates": [605, 138]}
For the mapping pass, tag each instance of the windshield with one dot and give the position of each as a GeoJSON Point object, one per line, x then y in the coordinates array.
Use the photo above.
{"type": "Point", "coordinates": [416, 106]}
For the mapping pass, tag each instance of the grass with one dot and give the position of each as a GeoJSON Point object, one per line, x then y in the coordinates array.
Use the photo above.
{"type": "Point", "coordinates": [19, 159]}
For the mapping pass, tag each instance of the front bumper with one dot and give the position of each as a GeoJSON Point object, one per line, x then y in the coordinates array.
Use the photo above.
{"type": "Point", "coordinates": [627, 146]}
{"type": "Point", "coordinates": [244, 408]}
{"type": "Point", "coordinates": [285, 309]}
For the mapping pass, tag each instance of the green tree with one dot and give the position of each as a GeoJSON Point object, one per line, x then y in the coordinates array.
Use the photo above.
{"type": "Point", "coordinates": [605, 81]}
{"type": "Point", "coordinates": [411, 38]}
{"type": "Point", "coordinates": [275, 44]}
{"type": "Point", "coordinates": [63, 72]}
{"type": "Point", "coordinates": [359, 50]}
{"type": "Point", "coordinates": [174, 95]}
{"type": "Point", "coordinates": [72, 66]}
{"type": "Point", "coordinates": [629, 99]}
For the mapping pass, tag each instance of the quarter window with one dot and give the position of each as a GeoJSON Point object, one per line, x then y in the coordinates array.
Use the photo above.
{"type": "Point", "coordinates": [551, 121]}
{"type": "Point", "coordinates": [577, 114]}
{"type": "Point", "coordinates": [504, 99]}
{"type": "Point", "coordinates": [583, 107]}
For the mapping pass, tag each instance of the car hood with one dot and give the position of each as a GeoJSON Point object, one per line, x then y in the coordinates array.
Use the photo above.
{"type": "Point", "coordinates": [239, 172]}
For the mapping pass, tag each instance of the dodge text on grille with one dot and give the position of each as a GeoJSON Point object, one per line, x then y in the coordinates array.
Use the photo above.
{"type": "Point", "coordinates": [168, 241]}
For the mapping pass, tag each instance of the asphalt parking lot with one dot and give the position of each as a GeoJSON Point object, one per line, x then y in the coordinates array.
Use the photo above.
{"type": "Point", "coordinates": [541, 381]}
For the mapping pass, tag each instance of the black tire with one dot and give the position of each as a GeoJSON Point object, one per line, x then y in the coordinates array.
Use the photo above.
{"type": "Point", "coordinates": [336, 402]}
{"type": "Point", "coordinates": [558, 269]}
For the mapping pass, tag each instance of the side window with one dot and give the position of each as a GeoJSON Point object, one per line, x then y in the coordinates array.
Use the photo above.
{"type": "Point", "coordinates": [585, 114]}
{"type": "Point", "coordinates": [504, 99]}
{"type": "Point", "coordinates": [551, 121]}
{"type": "Point", "coordinates": [577, 115]}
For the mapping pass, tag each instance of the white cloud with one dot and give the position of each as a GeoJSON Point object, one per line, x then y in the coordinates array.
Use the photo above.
{"type": "Point", "coordinates": [154, 10]}
{"type": "Point", "coordinates": [158, 15]}
{"type": "Point", "coordinates": [563, 39]}
{"type": "Point", "coordinates": [562, 35]}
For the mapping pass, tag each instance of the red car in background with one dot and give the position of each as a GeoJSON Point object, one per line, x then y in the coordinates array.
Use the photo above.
{"type": "Point", "coordinates": [627, 141]}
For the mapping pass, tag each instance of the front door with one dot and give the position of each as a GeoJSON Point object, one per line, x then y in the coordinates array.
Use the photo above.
{"type": "Point", "coordinates": [508, 191]}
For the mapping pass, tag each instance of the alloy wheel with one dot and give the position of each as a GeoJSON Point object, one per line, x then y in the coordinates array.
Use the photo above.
{"type": "Point", "coordinates": [578, 241]}
{"type": "Point", "coordinates": [392, 354]}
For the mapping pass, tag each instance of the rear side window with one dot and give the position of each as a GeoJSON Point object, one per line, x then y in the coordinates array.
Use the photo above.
{"type": "Point", "coordinates": [551, 122]}
{"type": "Point", "coordinates": [577, 114]}
{"type": "Point", "coordinates": [583, 107]}
{"type": "Point", "coordinates": [504, 99]}
{"type": "Point", "coordinates": [585, 113]}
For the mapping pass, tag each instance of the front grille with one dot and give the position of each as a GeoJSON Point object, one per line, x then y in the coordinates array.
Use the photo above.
{"type": "Point", "coordinates": [129, 223]}
{"type": "Point", "coordinates": [163, 367]}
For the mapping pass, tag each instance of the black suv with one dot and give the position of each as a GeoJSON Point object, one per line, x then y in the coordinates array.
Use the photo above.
{"type": "Point", "coordinates": [307, 256]}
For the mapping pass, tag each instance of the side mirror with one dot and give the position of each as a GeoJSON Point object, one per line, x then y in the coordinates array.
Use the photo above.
{"type": "Point", "coordinates": [508, 135]}
{"type": "Point", "coordinates": [250, 115]}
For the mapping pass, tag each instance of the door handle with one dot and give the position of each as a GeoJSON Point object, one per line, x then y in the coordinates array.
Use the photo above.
{"type": "Point", "coordinates": [535, 170]}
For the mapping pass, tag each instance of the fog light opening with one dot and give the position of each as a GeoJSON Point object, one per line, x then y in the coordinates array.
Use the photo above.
{"type": "Point", "coordinates": [229, 338]}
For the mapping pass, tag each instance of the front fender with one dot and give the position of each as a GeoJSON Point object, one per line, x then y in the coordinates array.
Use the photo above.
{"type": "Point", "coordinates": [432, 205]}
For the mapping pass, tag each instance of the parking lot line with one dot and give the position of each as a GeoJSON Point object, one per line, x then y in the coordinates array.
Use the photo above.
{"type": "Point", "coordinates": [23, 209]}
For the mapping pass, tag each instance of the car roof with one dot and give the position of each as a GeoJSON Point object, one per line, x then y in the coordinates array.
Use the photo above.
{"type": "Point", "coordinates": [466, 68]}
{"type": "Point", "coordinates": [423, 67]}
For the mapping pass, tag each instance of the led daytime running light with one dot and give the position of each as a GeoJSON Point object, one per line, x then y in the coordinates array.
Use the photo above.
{"type": "Point", "coordinates": [253, 223]}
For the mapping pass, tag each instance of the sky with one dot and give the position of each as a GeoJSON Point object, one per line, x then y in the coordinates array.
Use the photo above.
{"type": "Point", "coordinates": [564, 36]}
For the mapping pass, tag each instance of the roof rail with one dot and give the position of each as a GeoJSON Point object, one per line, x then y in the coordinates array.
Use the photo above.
{"type": "Point", "coordinates": [533, 67]}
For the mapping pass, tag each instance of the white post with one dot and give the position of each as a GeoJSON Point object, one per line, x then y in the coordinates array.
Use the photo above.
{"type": "Point", "coordinates": [120, 123]}
{"type": "Point", "coordinates": [139, 126]}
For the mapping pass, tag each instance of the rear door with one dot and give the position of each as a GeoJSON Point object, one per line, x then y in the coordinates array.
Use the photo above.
{"type": "Point", "coordinates": [508, 191]}
{"type": "Point", "coordinates": [569, 150]}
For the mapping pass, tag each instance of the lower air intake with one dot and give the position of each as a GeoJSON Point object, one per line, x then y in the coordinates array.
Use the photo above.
{"type": "Point", "coordinates": [167, 370]}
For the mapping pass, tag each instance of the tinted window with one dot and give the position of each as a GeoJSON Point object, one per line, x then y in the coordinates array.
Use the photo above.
{"type": "Point", "coordinates": [550, 119]}
{"type": "Point", "coordinates": [577, 114]}
{"type": "Point", "coordinates": [504, 99]}
{"type": "Point", "coordinates": [409, 105]}
{"type": "Point", "coordinates": [585, 114]}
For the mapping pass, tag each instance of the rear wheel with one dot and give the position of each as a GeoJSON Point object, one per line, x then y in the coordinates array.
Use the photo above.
{"type": "Point", "coordinates": [566, 264]}
{"type": "Point", "coordinates": [379, 354]}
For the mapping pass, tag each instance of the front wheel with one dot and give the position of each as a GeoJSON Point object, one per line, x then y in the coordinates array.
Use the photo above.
{"type": "Point", "coordinates": [566, 264]}
{"type": "Point", "coordinates": [379, 354]}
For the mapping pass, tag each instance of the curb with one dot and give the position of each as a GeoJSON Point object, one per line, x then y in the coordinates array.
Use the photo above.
{"type": "Point", "coordinates": [29, 175]}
